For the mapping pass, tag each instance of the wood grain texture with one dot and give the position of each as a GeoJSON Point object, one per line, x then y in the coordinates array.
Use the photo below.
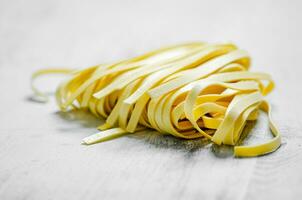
{"type": "Point", "coordinates": [40, 152]}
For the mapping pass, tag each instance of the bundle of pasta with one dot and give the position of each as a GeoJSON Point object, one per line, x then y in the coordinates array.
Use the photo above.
{"type": "Point", "coordinates": [189, 91]}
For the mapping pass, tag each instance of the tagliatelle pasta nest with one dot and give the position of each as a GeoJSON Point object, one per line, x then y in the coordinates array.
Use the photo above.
{"type": "Point", "coordinates": [190, 91]}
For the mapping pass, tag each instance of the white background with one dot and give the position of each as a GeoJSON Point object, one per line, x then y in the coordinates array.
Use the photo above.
{"type": "Point", "coordinates": [40, 152]}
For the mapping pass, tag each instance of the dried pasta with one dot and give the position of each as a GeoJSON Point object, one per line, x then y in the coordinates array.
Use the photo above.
{"type": "Point", "coordinates": [191, 90]}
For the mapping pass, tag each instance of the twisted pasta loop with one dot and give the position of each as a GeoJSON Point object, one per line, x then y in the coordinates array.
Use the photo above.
{"type": "Point", "coordinates": [190, 91]}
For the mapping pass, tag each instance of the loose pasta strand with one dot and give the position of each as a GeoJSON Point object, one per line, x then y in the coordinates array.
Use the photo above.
{"type": "Point", "coordinates": [190, 91]}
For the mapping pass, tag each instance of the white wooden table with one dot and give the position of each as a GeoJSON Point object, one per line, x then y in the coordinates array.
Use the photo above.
{"type": "Point", "coordinates": [40, 152]}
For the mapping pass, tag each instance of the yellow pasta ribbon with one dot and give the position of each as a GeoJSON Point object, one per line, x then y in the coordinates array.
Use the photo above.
{"type": "Point", "coordinates": [190, 91]}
